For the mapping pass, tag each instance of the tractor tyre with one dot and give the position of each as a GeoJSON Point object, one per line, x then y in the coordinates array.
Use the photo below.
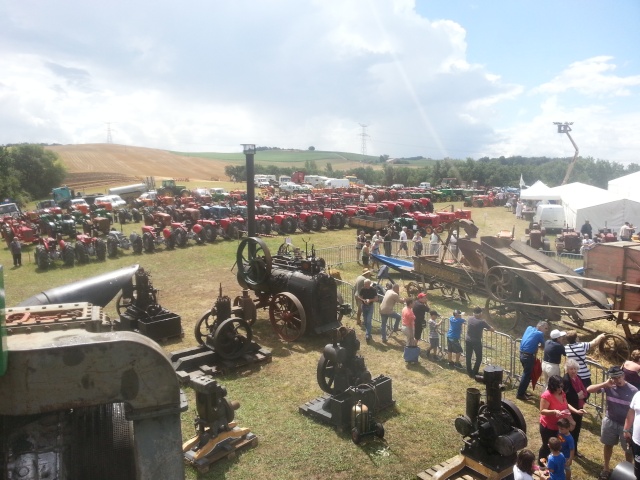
{"type": "Point", "coordinates": [42, 258]}
{"type": "Point", "coordinates": [232, 232]}
{"type": "Point", "coordinates": [428, 230]}
{"type": "Point", "coordinates": [181, 237]}
{"type": "Point", "coordinates": [112, 247]}
{"type": "Point", "coordinates": [148, 242]}
{"type": "Point", "coordinates": [136, 243]}
{"type": "Point", "coordinates": [288, 226]}
{"type": "Point", "coordinates": [343, 220]}
{"type": "Point", "coordinates": [136, 215]}
{"type": "Point", "coordinates": [199, 237]}
{"type": "Point", "coordinates": [170, 241]}
{"type": "Point", "coordinates": [81, 253]}
{"type": "Point", "coordinates": [210, 233]}
{"type": "Point", "coordinates": [68, 257]}
{"type": "Point", "coordinates": [101, 250]}
{"type": "Point", "coordinates": [316, 223]}
{"type": "Point", "coordinates": [334, 221]}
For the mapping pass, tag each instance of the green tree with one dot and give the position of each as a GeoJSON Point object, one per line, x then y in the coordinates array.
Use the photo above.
{"type": "Point", "coordinates": [38, 170]}
{"type": "Point", "coordinates": [328, 169]}
{"type": "Point", "coordinates": [312, 148]}
{"type": "Point", "coordinates": [10, 187]}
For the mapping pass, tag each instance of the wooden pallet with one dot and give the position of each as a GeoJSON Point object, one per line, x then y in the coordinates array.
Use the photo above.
{"type": "Point", "coordinates": [464, 468]}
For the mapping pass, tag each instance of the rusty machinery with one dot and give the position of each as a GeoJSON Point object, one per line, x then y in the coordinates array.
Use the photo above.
{"type": "Point", "coordinates": [300, 295]}
{"type": "Point", "coordinates": [217, 435]}
{"type": "Point", "coordinates": [493, 430]}
{"type": "Point", "coordinates": [343, 376]}
{"type": "Point", "coordinates": [81, 400]}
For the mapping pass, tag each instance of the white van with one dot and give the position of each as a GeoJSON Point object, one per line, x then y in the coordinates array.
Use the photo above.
{"type": "Point", "coordinates": [337, 183]}
{"type": "Point", "coordinates": [424, 185]}
{"type": "Point", "coordinates": [550, 217]}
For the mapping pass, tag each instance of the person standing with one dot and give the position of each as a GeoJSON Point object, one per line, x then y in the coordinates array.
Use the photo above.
{"type": "Point", "coordinates": [391, 297]}
{"type": "Point", "coordinates": [376, 244]}
{"type": "Point", "coordinates": [420, 309]}
{"type": "Point", "coordinates": [519, 207]}
{"type": "Point", "coordinates": [625, 232]}
{"type": "Point", "coordinates": [368, 296]}
{"type": "Point", "coordinates": [553, 353]}
{"type": "Point", "coordinates": [532, 339]}
{"type": "Point", "coordinates": [587, 229]}
{"type": "Point", "coordinates": [578, 351]}
{"type": "Point", "coordinates": [631, 369]}
{"type": "Point", "coordinates": [434, 334]}
{"type": "Point", "coordinates": [476, 326]}
{"type": "Point", "coordinates": [408, 322]}
{"type": "Point", "coordinates": [366, 253]}
{"type": "Point", "coordinates": [619, 394]}
{"type": "Point", "coordinates": [453, 338]}
{"type": "Point", "coordinates": [434, 241]}
{"type": "Point", "coordinates": [361, 239]}
{"type": "Point", "coordinates": [631, 431]}
{"type": "Point", "coordinates": [576, 394]}
{"type": "Point", "coordinates": [388, 237]}
{"type": "Point", "coordinates": [417, 244]}
{"type": "Point", "coordinates": [16, 251]}
{"type": "Point", "coordinates": [403, 242]}
{"type": "Point", "coordinates": [366, 273]}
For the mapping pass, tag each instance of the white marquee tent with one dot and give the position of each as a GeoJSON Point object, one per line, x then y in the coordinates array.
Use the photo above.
{"type": "Point", "coordinates": [539, 191]}
{"type": "Point", "coordinates": [626, 187]}
{"type": "Point", "coordinates": [602, 208]}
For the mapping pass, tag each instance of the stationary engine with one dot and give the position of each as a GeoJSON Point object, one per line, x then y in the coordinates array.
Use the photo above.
{"type": "Point", "coordinates": [494, 430]}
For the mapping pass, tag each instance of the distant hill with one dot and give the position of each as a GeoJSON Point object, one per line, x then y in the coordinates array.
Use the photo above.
{"type": "Point", "coordinates": [93, 165]}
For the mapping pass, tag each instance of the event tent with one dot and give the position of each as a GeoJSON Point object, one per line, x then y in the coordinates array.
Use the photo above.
{"type": "Point", "coordinates": [539, 191]}
{"type": "Point", "coordinates": [602, 208]}
{"type": "Point", "coordinates": [626, 187]}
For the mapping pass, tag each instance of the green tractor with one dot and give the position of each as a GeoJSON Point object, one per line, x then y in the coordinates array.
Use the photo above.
{"type": "Point", "coordinates": [169, 188]}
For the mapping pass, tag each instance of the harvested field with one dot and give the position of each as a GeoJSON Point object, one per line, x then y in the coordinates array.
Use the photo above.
{"type": "Point", "coordinates": [96, 165]}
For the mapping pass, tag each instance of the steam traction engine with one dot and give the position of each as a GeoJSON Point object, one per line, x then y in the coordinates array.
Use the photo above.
{"type": "Point", "coordinates": [300, 295]}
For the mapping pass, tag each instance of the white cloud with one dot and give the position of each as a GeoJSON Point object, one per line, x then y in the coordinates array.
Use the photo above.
{"type": "Point", "coordinates": [211, 75]}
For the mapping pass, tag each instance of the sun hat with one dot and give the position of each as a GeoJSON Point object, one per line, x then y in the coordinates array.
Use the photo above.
{"type": "Point", "coordinates": [366, 271]}
{"type": "Point", "coordinates": [458, 312]}
{"type": "Point", "coordinates": [557, 334]}
{"type": "Point", "coordinates": [615, 371]}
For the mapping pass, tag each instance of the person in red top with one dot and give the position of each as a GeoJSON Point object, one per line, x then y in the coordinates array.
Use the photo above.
{"type": "Point", "coordinates": [408, 323]}
{"type": "Point", "coordinates": [554, 406]}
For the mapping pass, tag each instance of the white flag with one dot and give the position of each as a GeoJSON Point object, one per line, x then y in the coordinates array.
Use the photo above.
{"type": "Point", "coordinates": [522, 184]}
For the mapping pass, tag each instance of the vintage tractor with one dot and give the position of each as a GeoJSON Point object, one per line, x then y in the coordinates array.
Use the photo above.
{"type": "Point", "coordinates": [285, 222]}
{"type": "Point", "coordinates": [170, 188]}
{"type": "Point", "coordinates": [51, 224]}
{"type": "Point", "coordinates": [87, 246]}
{"type": "Point", "coordinates": [229, 226]}
{"type": "Point", "coordinates": [334, 218]}
{"type": "Point", "coordinates": [568, 241]}
{"type": "Point", "coordinates": [310, 220]}
{"type": "Point", "coordinates": [117, 240]}
{"type": "Point", "coordinates": [535, 238]}
{"type": "Point", "coordinates": [24, 230]}
{"type": "Point", "coordinates": [300, 295]}
{"type": "Point", "coordinates": [264, 222]}
{"type": "Point", "coordinates": [152, 236]}
{"type": "Point", "coordinates": [50, 250]}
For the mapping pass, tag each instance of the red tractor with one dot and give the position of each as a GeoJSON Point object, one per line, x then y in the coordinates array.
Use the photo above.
{"type": "Point", "coordinates": [310, 220]}
{"type": "Point", "coordinates": [334, 218]}
{"type": "Point", "coordinates": [393, 206]}
{"type": "Point", "coordinates": [285, 222]}
{"type": "Point", "coordinates": [25, 231]}
{"type": "Point", "coordinates": [446, 218]}
{"type": "Point", "coordinates": [87, 246]}
{"type": "Point", "coordinates": [229, 226]}
{"type": "Point", "coordinates": [50, 249]}
{"type": "Point", "coordinates": [568, 241]}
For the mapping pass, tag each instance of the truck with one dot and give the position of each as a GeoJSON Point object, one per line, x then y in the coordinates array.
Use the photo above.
{"type": "Point", "coordinates": [315, 180]}
{"type": "Point", "coordinates": [170, 188]}
{"type": "Point", "coordinates": [129, 192]}
{"type": "Point", "coordinates": [337, 183]}
{"type": "Point", "coordinates": [284, 179]}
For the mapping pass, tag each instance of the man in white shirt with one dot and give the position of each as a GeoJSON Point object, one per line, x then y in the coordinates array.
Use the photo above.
{"type": "Point", "coordinates": [391, 297]}
{"type": "Point", "coordinates": [434, 241]}
{"type": "Point", "coordinates": [403, 242]}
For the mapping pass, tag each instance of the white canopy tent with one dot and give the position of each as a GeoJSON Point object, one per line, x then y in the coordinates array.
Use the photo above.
{"type": "Point", "coordinates": [539, 191]}
{"type": "Point", "coordinates": [601, 207]}
{"type": "Point", "coordinates": [626, 187]}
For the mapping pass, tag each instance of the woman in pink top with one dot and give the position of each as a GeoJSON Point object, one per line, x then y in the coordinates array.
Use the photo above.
{"type": "Point", "coordinates": [409, 322]}
{"type": "Point", "coordinates": [553, 406]}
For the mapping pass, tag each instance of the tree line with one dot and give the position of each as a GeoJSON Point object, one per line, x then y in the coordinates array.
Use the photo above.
{"type": "Point", "coordinates": [496, 172]}
{"type": "Point", "coordinates": [28, 172]}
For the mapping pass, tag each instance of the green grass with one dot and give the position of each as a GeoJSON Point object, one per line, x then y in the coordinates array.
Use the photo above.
{"type": "Point", "coordinates": [419, 429]}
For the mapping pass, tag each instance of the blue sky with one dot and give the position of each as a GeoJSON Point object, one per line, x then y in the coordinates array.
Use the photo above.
{"type": "Point", "coordinates": [447, 78]}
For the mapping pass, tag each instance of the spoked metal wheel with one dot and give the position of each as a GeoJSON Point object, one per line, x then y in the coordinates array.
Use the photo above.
{"type": "Point", "coordinates": [124, 301]}
{"type": "Point", "coordinates": [326, 374]}
{"type": "Point", "coordinates": [205, 326]}
{"type": "Point", "coordinates": [287, 316]}
{"type": "Point", "coordinates": [501, 315]}
{"type": "Point", "coordinates": [413, 289]}
{"type": "Point", "coordinates": [500, 284]}
{"type": "Point", "coordinates": [614, 349]}
{"type": "Point", "coordinates": [254, 261]}
{"type": "Point", "coordinates": [232, 338]}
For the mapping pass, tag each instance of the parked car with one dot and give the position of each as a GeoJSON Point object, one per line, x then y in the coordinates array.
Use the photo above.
{"type": "Point", "coordinates": [115, 200]}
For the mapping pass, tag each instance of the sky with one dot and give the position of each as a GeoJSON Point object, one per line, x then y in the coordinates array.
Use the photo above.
{"type": "Point", "coordinates": [404, 78]}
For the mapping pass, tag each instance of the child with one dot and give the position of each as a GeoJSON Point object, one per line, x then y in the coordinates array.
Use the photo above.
{"type": "Point", "coordinates": [408, 323]}
{"type": "Point", "coordinates": [434, 334]}
{"type": "Point", "coordinates": [568, 445]}
{"type": "Point", "coordinates": [524, 468]}
{"type": "Point", "coordinates": [556, 461]}
{"type": "Point", "coordinates": [453, 338]}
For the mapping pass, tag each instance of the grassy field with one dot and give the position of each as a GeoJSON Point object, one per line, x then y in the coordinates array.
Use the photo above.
{"type": "Point", "coordinates": [419, 428]}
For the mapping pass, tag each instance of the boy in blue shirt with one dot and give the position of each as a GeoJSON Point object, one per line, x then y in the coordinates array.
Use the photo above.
{"type": "Point", "coordinates": [453, 338]}
{"type": "Point", "coordinates": [568, 445]}
{"type": "Point", "coordinates": [556, 461]}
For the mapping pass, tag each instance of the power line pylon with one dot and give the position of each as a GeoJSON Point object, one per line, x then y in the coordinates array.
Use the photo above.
{"type": "Point", "coordinates": [363, 143]}
{"type": "Point", "coordinates": [109, 137]}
